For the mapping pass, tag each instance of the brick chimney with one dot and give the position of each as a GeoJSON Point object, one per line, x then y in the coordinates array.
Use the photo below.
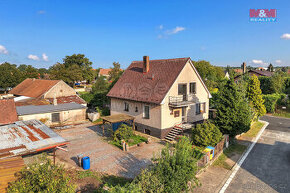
{"type": "Point", "coordinates": [244, 67]}
{"type": "Point", "coordinates": [145, 64]}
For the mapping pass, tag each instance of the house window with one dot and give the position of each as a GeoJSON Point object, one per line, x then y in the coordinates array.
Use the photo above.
{"type": "Point", "coordinates": [197, 108]}
{"type": "Point", "coordinates": [176, 113]}
{"type": "Point", "coordinates": [192, 88]}
{"type": "Point", "coordinates": [126, 107]}
{"type": "Point", "coordinates": [55, 117]}
{"type": "Point", "coordinates": [146, 112]}
{"type": "Point", "coordinates": [136, 109]}
{"type": "Point", "coordinates": [200, 108]}
{"type": "Point", "coordinates": [181, 89]}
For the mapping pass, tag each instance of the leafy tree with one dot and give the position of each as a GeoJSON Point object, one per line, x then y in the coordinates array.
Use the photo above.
{"type": "Point", "coordinates": [270, 68]}
{"type": "Point", "coordinates": [254, 95]}
{"type": "Point", "coordinates": [67, 74]}
{"type": "Point", "coordinates": [277, 83]}
{"type": "Point", "coordinates": [233, 114]}
{"type": "Point", "coordinates": [284, 69]}
{"type": "Point", "coordinates": [115, 72]}
{"type": "Point", "coordinates": [206, 134]}
{"type": "Point", "coordinates": [175, 167]}
{"type": "Point", "coordinates": [42, 177]}
{"type": "Point", "coordinates": [30, 72]}
{"type": "Point", "coordinates": [10, 76]}
{"type": "Point", "coordinates": [124, 132]}
{"type": "Point", "coordinates": [211, 75]}
{"type": "Point", "coordinates": [84, 64]}
{"type": "Point", "coordinates": [42, 72]}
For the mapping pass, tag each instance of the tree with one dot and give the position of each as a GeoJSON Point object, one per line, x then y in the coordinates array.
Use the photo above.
{"type": "Point", "coordinates": [42, 177]}
{"type": "Point", "coordinates": [115, 72]}
{"type": "Point", "coordinates": [69, 74]}
{"type": "Point", "coordinates": [270, 68]}
{"type": "Point", "coordinates": [84, 64]}
{"type": "Point", "coordinates": [30, 72]}
{"type": "Point", "coordinates": [233, 114]}
{"type": "Point", "coordinates": [211, 75]}
{"type": "Point", "coordinates": [206, 134]}
{"type": "Point", "coordinates": [254, 95]}
{"type": "Point", "coordinates": [277, 83]}
{"type": "Point", "coordinates": [10, 76]}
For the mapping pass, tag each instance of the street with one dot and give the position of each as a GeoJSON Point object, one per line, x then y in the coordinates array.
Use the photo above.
{"type": "Point", "coordinates": [267, 167]}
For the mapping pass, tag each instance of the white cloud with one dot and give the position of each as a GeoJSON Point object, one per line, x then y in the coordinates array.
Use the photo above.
{"type": "Point", "coordinates": [278, 61]}
{"type": "Point", "coordinates": [41, 12]}
{"type": "Point", "coordinates": [175, 30]}
{"type": "Point", "coordinates": [32, 57]}
{"type": "Point", "coordinates": [285, 36]}
{"type": "Point", "coordinates": [3, 50]}
{"type": "Point", "coordinates": [44, 57]}
{"type": "Point", "coordinates": [257, 61]}
{"type": "Point", "coordinates": [161, 27]}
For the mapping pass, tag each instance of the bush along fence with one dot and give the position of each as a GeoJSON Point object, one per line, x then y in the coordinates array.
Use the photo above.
{"type": "Point", "coordinates": [211, 155]}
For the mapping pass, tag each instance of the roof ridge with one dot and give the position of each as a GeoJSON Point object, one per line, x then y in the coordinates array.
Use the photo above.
{"type": "Point", "coordinates": [163, 59]}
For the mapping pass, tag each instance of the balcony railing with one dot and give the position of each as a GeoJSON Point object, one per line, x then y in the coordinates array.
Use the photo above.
{"type": "Point", "coordinates": [181, 100]}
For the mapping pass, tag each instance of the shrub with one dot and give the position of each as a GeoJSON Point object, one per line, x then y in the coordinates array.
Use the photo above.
{"type": "Point", "coordinates": [206, 134]}
{"type": "Point", "coordinates": [123, 132]}
{"type": "Point", "coordinates": [270, 102]}
{"type": "Point", "coordinates": [42, 177]}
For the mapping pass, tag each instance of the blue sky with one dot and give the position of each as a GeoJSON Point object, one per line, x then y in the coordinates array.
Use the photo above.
{"type": "Point", "coordinates": [41, 33]}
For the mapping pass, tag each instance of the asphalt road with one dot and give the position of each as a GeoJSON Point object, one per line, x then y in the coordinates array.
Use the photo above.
{"type": "Point", "coordinates": [267, 167]}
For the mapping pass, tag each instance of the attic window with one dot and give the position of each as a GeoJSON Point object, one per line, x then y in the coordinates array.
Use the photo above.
{"type": "Point", "coordinates": [192, 88]}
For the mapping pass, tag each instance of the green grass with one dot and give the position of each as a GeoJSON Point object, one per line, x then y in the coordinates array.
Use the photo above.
{"type": "Point", "coordinates": [255, 128]}
{"type": "Point", "coordinates": [137, 139]}
{"type": "Point", "coordinates": [233, 149]}
{"type": "Point", "coordinates": [282, 113]}
{"type": "Point", "coordinates": [88, 173]}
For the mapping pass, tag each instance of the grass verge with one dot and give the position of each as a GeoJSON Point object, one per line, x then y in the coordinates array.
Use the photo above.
{"type": "Point", "coordinates": [282, 113]}
{"type": "Point", "coordinates": [233, 149]}
{"type": "Point", "coordinates": [255, 128]}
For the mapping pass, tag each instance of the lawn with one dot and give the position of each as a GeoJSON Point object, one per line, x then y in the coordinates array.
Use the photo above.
{"type": "Point", "coordinates": [135, 139]}
{"type": "Point", "coordinates": [282, 113]}
{"type": "Point", "coordinates": [255, 128]}
{"type": "Point", "coordinates": [233, 149]}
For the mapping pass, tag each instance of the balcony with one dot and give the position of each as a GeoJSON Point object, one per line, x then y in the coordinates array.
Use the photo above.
{"type": "Point", "coordinates": [181, 101]}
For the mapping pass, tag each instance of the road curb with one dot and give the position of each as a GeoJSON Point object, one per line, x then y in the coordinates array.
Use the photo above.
{"type": "Point", "coordinates": [243, 157]}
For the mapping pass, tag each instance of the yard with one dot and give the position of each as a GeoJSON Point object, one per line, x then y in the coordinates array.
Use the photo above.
{"type": "Point", "coordinates": [87, 139]}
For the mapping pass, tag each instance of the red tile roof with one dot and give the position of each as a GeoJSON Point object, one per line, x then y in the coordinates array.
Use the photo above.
{"type": "Point", "coordinates": [150, 87]}
{"type": "Point", "coordinates": [69, 99]}
{"type": "Point", "coordinates": [33, 87]}
{"type": "Point", "coordinates": [60, 100]}
{"type": "Point", "coordinates": [104, 72]}
{"type": "Point", "coordinates": [8, 112]}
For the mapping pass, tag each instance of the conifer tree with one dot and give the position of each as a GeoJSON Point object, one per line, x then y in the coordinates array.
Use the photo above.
{"type": "Point", "coordinates": [233, 114]}
{"type": "Point", "coordinates": [254, 95]}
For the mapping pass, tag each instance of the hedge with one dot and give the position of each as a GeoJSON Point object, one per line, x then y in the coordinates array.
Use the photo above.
{"type": "Point", "coordinates": [271, 101]}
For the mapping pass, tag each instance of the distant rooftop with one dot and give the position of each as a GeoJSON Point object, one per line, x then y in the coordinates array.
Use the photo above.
{"type": "Point", "coordinates": [32, 109]}
{"type": "Point", "coordinates": [7, 111]}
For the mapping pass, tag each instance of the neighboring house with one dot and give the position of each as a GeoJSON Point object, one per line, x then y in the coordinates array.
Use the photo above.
{"type": "Point", "coordinates": [7, 111]}
{"type": "Point", "coordinates": [161, 95]}
{"type": "Point", "coordinates": [52, 101]}
{"type": "Point", "coordinates": [104, 72]}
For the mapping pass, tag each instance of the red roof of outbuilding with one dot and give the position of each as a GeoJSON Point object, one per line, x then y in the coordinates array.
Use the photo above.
{"type": "Point", "coordinates": [33, 87]}
{"type": "Point", "coordinates": [104, 72]}
{"type": "Point", "coordinates": [8, 112]}
{"type": "Point", "coordinates": [149, 87]}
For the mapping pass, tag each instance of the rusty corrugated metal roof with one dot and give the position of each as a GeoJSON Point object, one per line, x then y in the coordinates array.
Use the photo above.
{"type": "Point", "coordinates": [23, 137]}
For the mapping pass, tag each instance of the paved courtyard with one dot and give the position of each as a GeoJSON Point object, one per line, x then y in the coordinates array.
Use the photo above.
{"type": "Point", "coordinates": [85, 139]}
{"type": "Point", "coordinates": [267, 167]}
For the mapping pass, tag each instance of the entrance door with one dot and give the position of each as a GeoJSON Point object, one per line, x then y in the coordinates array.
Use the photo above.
{"type": "Point", "coordinates": [182, 90]}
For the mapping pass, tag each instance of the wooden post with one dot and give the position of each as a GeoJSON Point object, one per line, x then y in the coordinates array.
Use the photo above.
{"type": "Point", "coordinates": [103, 127]}
{"type": "Point", "coordinates": [54, 149]}
{"type": "Point", "coordinates": [133, 124]}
